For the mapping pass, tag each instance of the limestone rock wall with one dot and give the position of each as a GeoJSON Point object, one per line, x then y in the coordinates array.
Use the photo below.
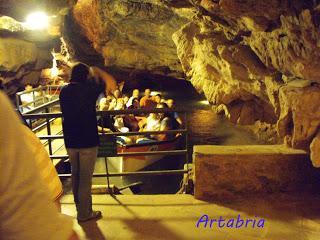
{"type": "Point", "coordinates": [133, 34]}
{"type": "Point", "coordinates": [23, 55]}
{"type": "Point", "coordinates": [254, 60]}
{"type": "Point", "coordinates": [258, 60]}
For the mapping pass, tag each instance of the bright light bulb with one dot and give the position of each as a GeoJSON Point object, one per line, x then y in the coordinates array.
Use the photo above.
{"type": "Point", "coordinates": [37, 21]}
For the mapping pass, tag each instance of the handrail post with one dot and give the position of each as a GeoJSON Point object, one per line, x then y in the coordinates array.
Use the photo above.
{"type": "Point", "coordinates": [187, 136]}
{"type": "Point", "coordinates": [18, 102]}
{"type": "Point", "coordinates": [48, 131]}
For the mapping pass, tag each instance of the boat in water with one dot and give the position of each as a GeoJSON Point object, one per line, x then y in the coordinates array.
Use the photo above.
{"type": "Point", "coordinates": [138, 162]}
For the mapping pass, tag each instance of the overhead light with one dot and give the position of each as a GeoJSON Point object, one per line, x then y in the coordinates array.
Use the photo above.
{"type": "Point", "coordinates": [37, 21]}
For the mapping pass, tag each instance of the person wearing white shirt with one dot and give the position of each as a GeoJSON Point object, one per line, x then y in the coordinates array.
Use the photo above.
{"type": "Point", "coordinates": [135, 94]}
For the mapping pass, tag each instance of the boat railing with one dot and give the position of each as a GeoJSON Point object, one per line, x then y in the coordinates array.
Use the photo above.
{"type": "Point", "coordinates": [182, 131]}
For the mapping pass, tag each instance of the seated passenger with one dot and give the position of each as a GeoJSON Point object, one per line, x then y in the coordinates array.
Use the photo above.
{"type": "Point", "coordinates": [125, 99]}
{"type": "Point", "coordinates": [105, 123]}
{"type": "Point", "coordinates": [157, 98]}
{"type": "Point", "coordinates": [118, 119]}
{"type": "Point", "coordinates": [135, 94]}
{"type": "Point", "coordinates": [146, 98]}
{"type": "Point", "coordinates": [167, 123]}
{"type": "Point", "coordinates": [103, 104]}
{"type": "Point", "coordinates": [159, 122]}
{"type": "Point", "coordinates": [175, 115]}
{"type": "Point", "coordinates": [116, 100]}
{"type": "Point", "coordinates": [152, 123]}
{"type": "Point", "coordinates": [131, 120]}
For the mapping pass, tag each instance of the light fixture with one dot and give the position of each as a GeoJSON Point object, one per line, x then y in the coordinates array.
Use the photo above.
{"type": "Point", "coordinates": [37, 21]}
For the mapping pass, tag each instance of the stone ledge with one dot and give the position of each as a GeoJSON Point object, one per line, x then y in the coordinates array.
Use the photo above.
{"type": "Point", "coordinates": [228, 171]}
{"type": "Point", "coordinates": [246, 150]}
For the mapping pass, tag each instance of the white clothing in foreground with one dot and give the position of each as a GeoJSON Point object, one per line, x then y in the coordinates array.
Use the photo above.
{"type": "Point", "coordinates": [26, 211]}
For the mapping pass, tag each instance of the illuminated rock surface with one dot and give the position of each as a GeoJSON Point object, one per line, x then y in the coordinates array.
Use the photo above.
{"type": "Point", "coordinates": [225, 172]}
{"type": "Point", "coordinates": [254, 60]}
{"type": "Point", "coordinates": [133, 34]}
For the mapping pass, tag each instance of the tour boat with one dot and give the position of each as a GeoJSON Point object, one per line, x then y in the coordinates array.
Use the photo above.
{"type": "Point", "coordinates": [136, 163]}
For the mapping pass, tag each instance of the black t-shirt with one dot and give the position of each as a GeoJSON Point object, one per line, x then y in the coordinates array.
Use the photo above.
{"type": "Point", "coordinates": [78, 106]}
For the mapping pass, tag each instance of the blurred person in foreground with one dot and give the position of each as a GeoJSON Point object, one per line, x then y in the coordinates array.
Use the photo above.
{"type": "Point", "coordinates": [46, 168]}
{"type": "Point", "coordinates": [78, 107]}
{"type": "Point", "coordinates": [26, 210]}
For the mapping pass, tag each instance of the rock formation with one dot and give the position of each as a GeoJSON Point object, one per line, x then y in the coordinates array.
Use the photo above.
{"type": "Point", "coordinates": [254, 60]}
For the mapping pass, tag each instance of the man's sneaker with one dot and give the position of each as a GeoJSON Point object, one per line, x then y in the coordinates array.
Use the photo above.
{"type": "Point", "coordinates": [94, 215]}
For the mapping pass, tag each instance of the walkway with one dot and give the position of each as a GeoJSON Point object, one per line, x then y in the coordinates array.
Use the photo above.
{"type": "Point", "coordinates": [175, 216]}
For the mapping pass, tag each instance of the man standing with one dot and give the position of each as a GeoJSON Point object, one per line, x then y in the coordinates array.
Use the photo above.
{"type": "Point", "coordinates": [78, 106]}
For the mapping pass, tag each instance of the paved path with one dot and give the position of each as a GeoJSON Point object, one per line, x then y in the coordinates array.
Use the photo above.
{"type": "Point", "coordinates": [175, 217]}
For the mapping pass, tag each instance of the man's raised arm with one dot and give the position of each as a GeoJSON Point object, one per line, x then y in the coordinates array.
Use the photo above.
{"type": "Point", "coordinates": [110, 82]}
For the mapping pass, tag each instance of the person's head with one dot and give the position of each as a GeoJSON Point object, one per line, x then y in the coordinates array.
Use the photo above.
{"type": "Point", "coordinates": [28, 87]}
{"type": "Point", "coordinates": [104, 104]}
{"type": "Point", "coordinates": [157, 98]}
{"type": "Point", "coordinates": [135, 103]}
{"type": "Point", "coordinates": [170, 103]}
{"type": "Point", "coordinates": [147, 92]}
{"type": "Point", "coordinates": [120, 104]}
{"type": "Point", "coordinates": [125, 99]}
{"type": "Point", "coordinates": [135, 93]}
{"type": "Point", "coordinates": [162, 105]}
{"type": "Point", "coordinates": [79, 73]}
{"type": "Point", "coordinates": [117, 93]}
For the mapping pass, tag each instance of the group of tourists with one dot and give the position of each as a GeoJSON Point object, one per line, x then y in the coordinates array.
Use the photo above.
{"type": "Point", "coordinates": [138, 122]}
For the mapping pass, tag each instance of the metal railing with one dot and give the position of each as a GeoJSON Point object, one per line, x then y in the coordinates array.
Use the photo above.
{"type": "Point", "coordinates": [183, 131]}
{"type": "Point", "coordinates": [39, 96]}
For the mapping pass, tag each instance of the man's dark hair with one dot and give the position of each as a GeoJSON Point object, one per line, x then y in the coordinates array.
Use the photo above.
{"type": "Point", "coordinates": [136, 100]}
{"type": "Point", "coordinates": [79, 73]}
{"type": "Point", "coordinates": [162, 105]}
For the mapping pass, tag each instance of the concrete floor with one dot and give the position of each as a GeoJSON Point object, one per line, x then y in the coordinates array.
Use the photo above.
{"type": "Point", "coordinates": [175, 217]}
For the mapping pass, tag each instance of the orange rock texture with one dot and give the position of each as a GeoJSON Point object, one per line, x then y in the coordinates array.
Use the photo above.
{"type": "Point", "coordinates": [254, 60]}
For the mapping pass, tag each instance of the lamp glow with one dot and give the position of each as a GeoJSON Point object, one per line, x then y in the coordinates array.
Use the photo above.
{"type": "Point", "coordinates": [54, 70]}
{"type": "Point", "coordinates": [37, 21]}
